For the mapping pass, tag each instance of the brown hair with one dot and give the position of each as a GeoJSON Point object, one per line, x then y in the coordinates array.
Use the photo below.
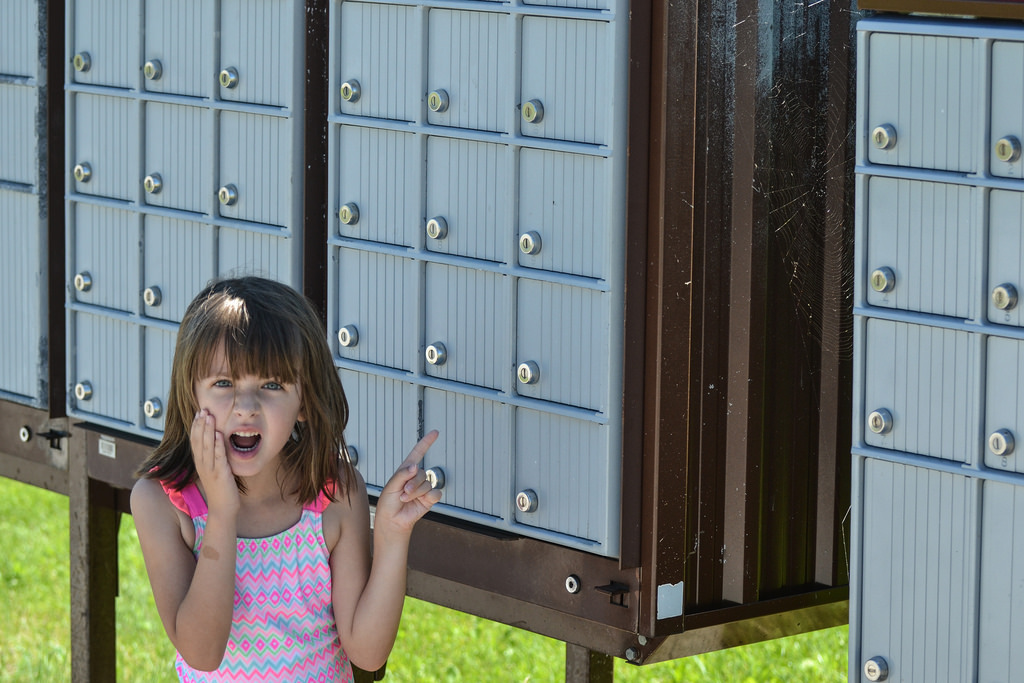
{"type": "Point", "coordinates": [270, 330]}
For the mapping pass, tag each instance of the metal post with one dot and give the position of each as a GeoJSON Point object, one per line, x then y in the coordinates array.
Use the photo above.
{"type": "Point", "coordinates": [586, 666]}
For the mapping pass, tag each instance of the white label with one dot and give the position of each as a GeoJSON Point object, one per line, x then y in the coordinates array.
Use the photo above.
{"type": "Point", "coordinates": [108, 447]}
{"type": "Point", "coordinates": [670, 600]}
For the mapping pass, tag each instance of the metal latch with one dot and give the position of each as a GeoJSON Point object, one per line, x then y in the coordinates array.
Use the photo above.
{"type": "Point", "coordinates": [615, 591]}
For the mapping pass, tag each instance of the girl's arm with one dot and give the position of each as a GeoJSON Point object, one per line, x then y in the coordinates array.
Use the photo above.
{"type": "Point", "coordinates": [368, 597]}
{"type": "Point", "coordinates": [193, 597]}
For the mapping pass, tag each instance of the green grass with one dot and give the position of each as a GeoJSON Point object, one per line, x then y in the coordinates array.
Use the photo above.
{"type": "Point", "coordinates": [434, 643]}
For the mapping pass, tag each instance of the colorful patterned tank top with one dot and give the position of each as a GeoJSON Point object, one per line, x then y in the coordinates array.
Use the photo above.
{"type": "Point", "coordinates": [283, 625]}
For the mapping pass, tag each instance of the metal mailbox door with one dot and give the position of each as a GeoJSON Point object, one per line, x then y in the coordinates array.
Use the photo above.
{"type": "Point", "coordinates": [257, 46]}
{"type": "Point", "coordinates": [178, 260]}
{"type": "Point", "coordinates": [105, 149]}
{"type": "Point", "coordinates": [19, 39]}
{"type": "Point", "coordinates": [1004, 405]}
{"type": "Point", "coordinates": [22, 274]}
{"type": "Point", "coordinates": [18, 162]}
{"type": "Point", "coordinates": [178, 157]}
{"type": "Point", "coordinates": [1005, 252]}
{"type": "Point", "coordinates": [158, 353]}
{"type": "Point", "coordinates": [256, 173]}
{"type": "Point", "coordinates": [104, 257]}
{"type": "Point", "coordinates": [1007, 110]}
{"type": "Point", "coordinates": [178, 47]}
{"type": "Point", "coordinates": [104, 368]}
{"type": "Point", "coordinates": [1001, 609]}
{"type": "Point", "coordinates": [468, 211]}
{"type": "Point", "coordinates": [246, 252]}
{"type": "Point", "coordinates": [104, 43]}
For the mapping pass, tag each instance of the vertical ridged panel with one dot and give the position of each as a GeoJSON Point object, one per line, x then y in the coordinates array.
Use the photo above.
{"type": "Point", "coordinates": [919, 575]}
{"type": "Point", "coordinates": [180, 35]}
{"type": "Point", "coordinates": [177, 141]}
{"type": "Point", "coordinates": [927, 233]}
{"type": "Point", "coordinates": [469, 312]}
{"type": "Point", "coordinates": [1004, 399]}
{"type": "Point", "coordinates": [381, 48]}
{"type": "Point", "coordinates": [378, 294]}
{"type": "Point", "coordinates": [1005, 251]}
{"type": "Point", "coordinates": [565, 331]}
{"type": "Point", "coordinates": [381, 173]}
{"type": "Point", "coordinates": [179, 257]}
{"type": "Point", "coordinates": [258, 39]}
{"type": "Point", "coordinates": [19, 36]}
{"type": "Point", "coordinates": [925, 87]}
{"type": "Point", "coordinates": [18, 160]}
{"type": "Point", "coordinates": [106, 354]}
{"type": "Point", "coordinates": [578, 4]}
{"type": "Point", "coordinates": [158, 352]}
{"type": "Point", "coordinates": [468, 184]}
{"type": "Point", "coordinates": [473, 449]}
{"type": "Point", "coordinates": [382, 413]}
{"type": "Point", "coordinates": [1000, 657]}
{"type": "Point", "coordinates": [557, 457]}
{"type": "Point", "coordinates": [469, 57]}
{"type": "Point", "coordinates": [928, 379]}
{"type": "Point", "coordinates": [109, 31]}
{"type": "Point", "coordinates": [106, 245]}
{"type": "Point", "coordinates": [22, 275]}
{"type": "Point", "coordinates": [256, 156]}
{"type": "Point", "coordinates": [567, 199]}
{"type": "Point", "coordinates": [106, 137]}
{"type": "Point", "coordinates": [240, 252]}
{"type": "Point", "coordinates": [566, 65]}
{"type": "Point", "coordinates": [1007, 110]}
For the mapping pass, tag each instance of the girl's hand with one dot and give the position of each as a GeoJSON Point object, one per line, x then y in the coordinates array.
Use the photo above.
{"type": "Point", "coordinates": [212, 463]}
{"type": "Point", "coordinates": [408, 495]}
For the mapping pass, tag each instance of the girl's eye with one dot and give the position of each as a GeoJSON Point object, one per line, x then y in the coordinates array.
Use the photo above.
{"type": "Point", "coordinates": [222, 383]}
{"type": "Point", "coordinates": [273, 386]}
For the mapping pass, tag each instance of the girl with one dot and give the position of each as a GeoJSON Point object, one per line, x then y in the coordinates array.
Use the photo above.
{"type": "Point", "coordinates": [255, 532]}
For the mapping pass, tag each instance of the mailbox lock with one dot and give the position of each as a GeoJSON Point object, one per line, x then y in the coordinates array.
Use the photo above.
{"type": "Point", "coordinates": [25, 434]}
{"type": "Point", "coordinates": [533, 111]}
{"type": "Point", "coordinates": [437, 100]}
{"type": "Point", "coordinates": [437, 354]}
{"type": "Point", "coordinates": [83, 391]}
{"type": "Point", "coordinates": [83, 172]}
{"type": "Point", "coordinates": [572, 584]}
{"type": "Point", "coordinates": [349, 214]}
{"type": "Point", "coordinates": [1008, 149]}
{"type": "Point", "coordinates": [82, 62]}
{"type": "Point", "coordinates": [228, 78]}
{"type": "Point", "coordinates": [883, 280]}
{"type": "Point", "coordinates": [1000, 442]}
{"type": "Point", "coordinates": [529, 242]}
{"type": "Point", "coordinates": [876, 669]}
{"type": "Point", "coordinates": [152, 296]}
{"type": "Point", "coordinates": [348, 336]}
{"type": "Point", "coordinates": [153, 70]}
{"type": "Point", "coordinates": [526, 501]}
{"type": "Point", "coordinates": [884, 136]}
{"type": "Point", "coordinates": [353, 454]}
{"type": "Point", "coordinates": [228, 195]}
{"type": "Point", "coordinates": [880, 421]}
{"type": "Point", "coordinates": [153, 183]}
{"type": "Point", "coordinates": [1004, 297]}
{"type": "Point", "coordinates": [350, 91]}
{"type": "Point", "coordinates": [528, 372]}
{"type": "Point", "coordinates": [437, 228]}
{"type": "Point", "coordinates": [83, 281]}
{"type": "Point", "coordinates": [435, 475]}
{"type": "Point", "coordinates": [152, 408]}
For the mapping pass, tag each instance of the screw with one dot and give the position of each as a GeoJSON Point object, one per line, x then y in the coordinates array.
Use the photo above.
{"type": "Point", "coordinates": [25, 434]}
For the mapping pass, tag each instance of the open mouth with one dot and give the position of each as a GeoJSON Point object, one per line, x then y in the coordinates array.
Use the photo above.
{"type": "Point", "coordinates": [245, 442]}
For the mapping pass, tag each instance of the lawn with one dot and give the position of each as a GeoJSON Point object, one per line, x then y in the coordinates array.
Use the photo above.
{"type": "Point", "coordinates": [434, 643]}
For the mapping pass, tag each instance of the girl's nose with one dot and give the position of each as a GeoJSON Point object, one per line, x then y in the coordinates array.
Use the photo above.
{"type": "Point", "coordinates": [246, 403]}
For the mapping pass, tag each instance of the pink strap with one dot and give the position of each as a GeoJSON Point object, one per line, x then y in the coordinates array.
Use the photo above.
{"type": "Point", "coordinates": [188, 500]}
{"type": "Point", "coordinates": [322, 500]}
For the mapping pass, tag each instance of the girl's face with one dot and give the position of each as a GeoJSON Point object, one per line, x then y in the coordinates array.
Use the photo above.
{"type": "Point", "coordinates": [255, 415]}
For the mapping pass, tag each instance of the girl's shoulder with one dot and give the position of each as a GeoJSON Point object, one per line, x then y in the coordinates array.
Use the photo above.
{"type": "Point", "coordinates": [347, 513]}
{"type": "Point", "coordinates": [152, 506]}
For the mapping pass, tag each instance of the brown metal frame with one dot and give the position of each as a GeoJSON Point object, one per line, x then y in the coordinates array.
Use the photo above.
{"type": "Point", "coordinates": [991, 9]}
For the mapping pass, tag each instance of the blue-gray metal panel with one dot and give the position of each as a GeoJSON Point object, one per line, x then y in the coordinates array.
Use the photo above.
{"type": "Point", "coordinates": [105, 244]}
{"type": "Point", "coordinates": [1000, 657]}
{"type": "Point", "coordinates": [179, 148]}
{"type": "Point", "coordinates": [19, 38]}
{"type": "Point", "coordinates": [469, 311]}
{"type": "Point", "coordinates": [378, 294]}
{"type": "Point", "coordinates": [1007, 109]}
{"type": "Point", "coordinates": [244, 252]}
{"type": "Point", "coordinates": [108, 30]}
{"type": "Point", "coordinates": [927, 88]}
{"type": "Point", "coordinates": [474, 450]}
{"type": "Point", "coordinates": [256, 157]}
{"type": "Point", "coordinates": [179, 258]}
{"type": "Point", "coordinates": [106, 136]}
{"type": "Point", "coordinates": [158, 352]}
{"type": "Point", "coordinates": [919, 575]}
{"type": "Point", "coordinates": [565, 198]}
{"type": "Point", "coordinates": [105, 353]}
{"type": "Point", "coordinates": [568, 464]}
{"type": "Point", "coordinates": [565, 330]}
{"type": "Point", "coordinates": [1004, 400]}
{"type": "Point", "coordinates": [469, 56]}
{"type": "Point", "coordinates": [381, 47]}
{"type": "Point", "coordinates": [928, 235]}
{"type": "Point", "coordinates": [1005, 251]}
{"type": "Point", "coordinates": [383, 414]}
{"type": "Point", "coordinates": [258, 39]}
{"type": "Point", "coordinates": [381, 172]}
{"type": "Point", "coordinates": [18, 160]}
{"type": "Point", "coordinates": [23, 360]}
{"type": "Point", "coordinates": [179, 35]}
{"type": "Point", "coordinates": [928, 378]}
{"type": "Point", "coordinates": [576, 4]}
{"type": "Point", "coordinates": [468, 186]}
{"type": "Point", "coordinates": [566, 65]}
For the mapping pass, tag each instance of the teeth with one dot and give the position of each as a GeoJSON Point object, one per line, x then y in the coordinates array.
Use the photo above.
{"type": "Point", "coordinates": [246, 433]}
